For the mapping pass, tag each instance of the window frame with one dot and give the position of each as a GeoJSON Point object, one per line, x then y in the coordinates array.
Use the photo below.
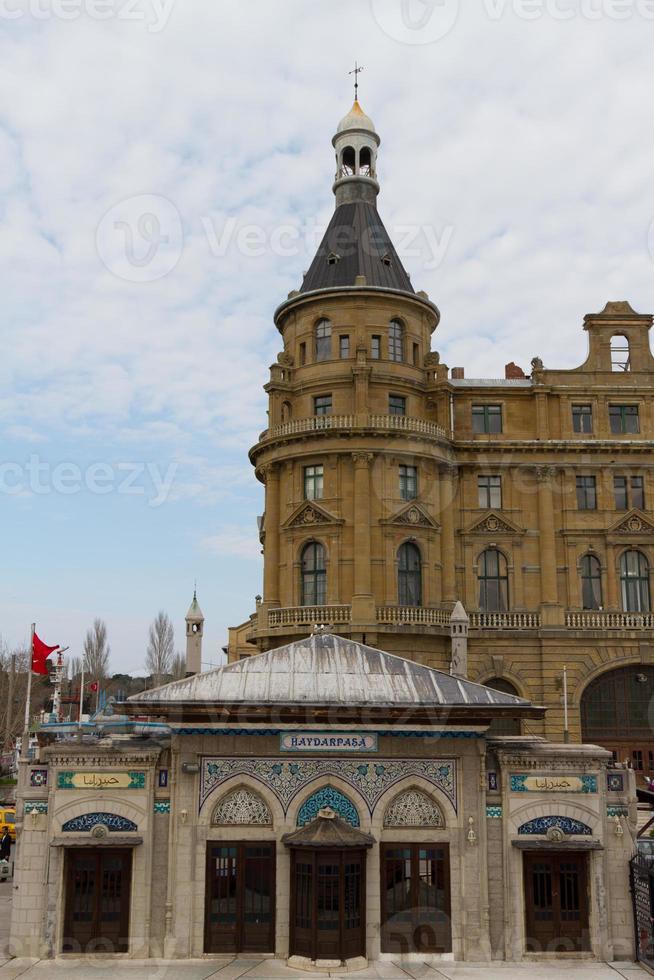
{"type": "Point", "coordinates": [375, 347]}
{"type": "Point", "coordinates": [322, 334]}
{"type": "Point", "coordinates": [578, 414]}
{"type": "Point", "coordinates": [590, 577]}
{"type": "Point", "coordinates": [486, 412]}
{"type": "Point", "coordinates": [485, 494]}
{"type": "Point", "coordinates": [328, 405]}
{"type": "Point", "coordinates": [344, 345]}
{"type": "Point", "coordinates": [396, 341]}
{"type": "Point", "coordinates": [313, 578]}
{"type": "Point", "coordinates": [499, 578]}
{"type": "Point", "coordinates": [313, 481]}
{"type": "Point", "coordinates": [400, 401]}
{"type": "Point", "coordinates": [408, 482]}
{"type": "Point", "coordinates": [586, 489]}
{"type": "Point", "coordinates": [409, 579]}
{"type": "Point", "coordinates": [622, 413]}
{"type": "Point", "coordinates": [635, 585]}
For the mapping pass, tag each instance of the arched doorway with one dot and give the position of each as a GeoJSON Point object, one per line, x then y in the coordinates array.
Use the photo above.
{"type": "Point", "coordinates": [617, 710]}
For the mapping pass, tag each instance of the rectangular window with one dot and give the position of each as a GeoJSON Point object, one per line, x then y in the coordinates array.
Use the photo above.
{"type": "Point", "coordinates": [629, 492]}
{"type": "Point", "coordinates": [408, 482]}
{"type": "Point", "coordinates": [638, 492]}
{"type": "Point", "coordinates": [490, 492]}
{"type": "Point", "coordinates": [322, 405]}
{"type": "Point", "coordinates": [375, 348]}
{"type": "Point", "coordinates": [416, 355]}
{"type": "Point", "coordinates": [582, 418]}
{"type": "Point", "coordinates": [624, 419]}
{"type": "Point", "coordinates": [344, 346]}
{"type": "Point", "coordinates": [396, 405]}
{"type": "Point", "coordinates": [487, 419]}
{"type": "Point", "coordinates": [586, 493]}
{"type": "Point", "coordinates": [620, 492]}
{"type": "Point", "coordinates": [303, 353]}
{"type": "Point", "coordinates": [313, 482]}
{"type": "Point", "coordinates": [323, 340]}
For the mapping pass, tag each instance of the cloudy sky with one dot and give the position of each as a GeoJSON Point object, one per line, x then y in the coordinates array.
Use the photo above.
{"type": "Point", "coordinates": [165, 171]}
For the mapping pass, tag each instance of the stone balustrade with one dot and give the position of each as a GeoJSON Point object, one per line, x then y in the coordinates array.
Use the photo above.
{"type": "Point", "coordinates": [412, 616]}
{"type": "Point", "coordinates": [310, 616]}
{"type": "Point", "coordinates": [505, 621]}
{"type": "Point", "coordinates": [600, 620]}
{"type": "Point", "coordinates": [327, 423]}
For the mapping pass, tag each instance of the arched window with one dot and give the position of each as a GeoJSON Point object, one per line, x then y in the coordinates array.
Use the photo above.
{"type": "Point", "coordinates": [503, 726]}
{"type": "Point", "coordinates": [409, 575]}
{"type": "Point", "coordinates": [493, 581]}
{"type": "Point", "coordinates": [365, 162]}
{"type": "Point", "coordinates": [620, 354]}
{"type": "Point", "coordinates": [323, 340]}
{"type": "Point", "coordinates": [591, 583]}
{"type": "Point", "coordinates": [616, 707]}
{"type": "Point", "coordinates": [314, 575]}
{"type": "Point", "coordinates": [396, 340]}
{"type": "Point", "coordinates": [348, 162]}
{"type": "Point", "coordinates": [634, 578]}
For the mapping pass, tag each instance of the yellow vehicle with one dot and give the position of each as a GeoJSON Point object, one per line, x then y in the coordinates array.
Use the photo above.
{"type": "Point", "coordinates": [8, 821]}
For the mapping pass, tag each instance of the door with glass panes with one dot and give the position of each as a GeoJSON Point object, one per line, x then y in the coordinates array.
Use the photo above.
{"type": "Point", "coordinates": [556, 902]}
{"type": "Point", "coordinates": [97, 906]}
{"type": "Point", "coordinates": [415, 894]}
{"type": "Point", "coordinates": [240, 898]}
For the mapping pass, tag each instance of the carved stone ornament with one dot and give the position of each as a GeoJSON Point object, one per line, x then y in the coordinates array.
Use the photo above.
{"type": "Point", "coordinates": [633, 523]}
{"type": "Point", "coordinates": [99, 831]}
{"type": "Point", "coordinates": [536, 364]}
{"type": "Point", "coordinates": [242, 808]}
{"type": "Point", "coordinates": [556, 835]}
{"type": "Point", "coordinates": [285, 359]}
{"type": "Point", "coordinates": [413, 809]}
{"type": "Point", "coordinates": [413, 516]}
{"type": "Point", "coordinates": [311, 515]}
{"type": "Point", "coordinates": [433, 359]}
{"type": "Point", "coordinates": [494, 524]}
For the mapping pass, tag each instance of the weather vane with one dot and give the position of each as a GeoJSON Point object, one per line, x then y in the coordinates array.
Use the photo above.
{"type": "Point", "coordinates": [356, 72]}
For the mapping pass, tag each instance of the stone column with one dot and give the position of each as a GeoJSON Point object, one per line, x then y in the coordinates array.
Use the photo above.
{"type": "Point", "coordinates": [271, 547]}
{"type": "Point", "coordinates": [363, 606]}
{"type": "Point", "coordinates": [547, 543]}
{"type": "Point", "coordinates": [448, 555]}
{"type": "Point", "coordinates": [613, 599]}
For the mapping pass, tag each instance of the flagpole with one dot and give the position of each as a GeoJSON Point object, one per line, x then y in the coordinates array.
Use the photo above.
{"type": "Point", "coordinates": [81, 697]}
{"type": "Point", "coordinates": [26, 730]}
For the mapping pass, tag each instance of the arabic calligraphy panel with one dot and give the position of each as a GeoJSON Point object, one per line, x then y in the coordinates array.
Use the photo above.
{"type": "Point", "coordinates": [522, 783]}
{"type": "Point", "coordinates": [101, 780]}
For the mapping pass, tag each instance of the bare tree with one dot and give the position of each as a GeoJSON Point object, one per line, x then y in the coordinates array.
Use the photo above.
{"type": "Point", "coordinates": [96, 651]}
{"type": "Point", "coordinates": [178, 668]}
{"type": "Point", "coordinates": [161, 648]}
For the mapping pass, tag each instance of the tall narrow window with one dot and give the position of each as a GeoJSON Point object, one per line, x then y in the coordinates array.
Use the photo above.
{"type": "Point", "coordinates": [591, 582]}
{"type": "Point", "coordinates": [490, 492]}
{"type": "Point", "coordinates": [323, 340]}
{"type": "Point", "coordinates": [313, 482]}
{"type": "Point", "coordinates": [303, 353]}
{"type": "Point", "coordinates": [416, 355]}
{"type": "Point", "coordinates": [487, 419]}
{"type": "Point", "coordinates": [396, 405]}
{"type": "Point", "coordinates": [375, 348]}
{"type": "Point", "coordinates": [396, 341]}
{"type": "Point", "coordinates": [621, 492]}
{"type": "Point", "coordinates": [624, 419]}
{"type": "Point", "coordinates": [629, 492]}
{"type": "Point", "coordinates": [634, 579]}
{"type": "Point", "coordinates": [586, 493]}
{"type": "Point", "coordinates": [409, 575]}
{"type": "Point", "coordinates": [314, 575]}
{"type": "Point", "coordinates": [620, 357]}
{"type": "Point", "coordinates": [493, 581]}
{"type": "Point", "coordinates": [582, 418]}
{"type": "Point", "coordinates": [638, 492]}
{"type": "Point", "coordinates": [408, 482]}
{"type": "Point", "coordinates": [344, 345]}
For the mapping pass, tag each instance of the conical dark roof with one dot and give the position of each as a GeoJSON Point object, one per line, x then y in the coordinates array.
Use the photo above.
{"type": "Point", "coordinates": [356, 244]}
{"type": "Point", "coordinates": [328, 830]}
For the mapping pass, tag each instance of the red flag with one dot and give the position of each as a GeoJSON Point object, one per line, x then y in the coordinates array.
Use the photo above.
{"type": "Point", "coordinates": [40, 653]}
{"type": "Point", "coordinates": [94, 686]}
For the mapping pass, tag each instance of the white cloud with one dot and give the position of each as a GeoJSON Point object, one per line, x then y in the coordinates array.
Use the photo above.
{"type": "Point", "coordinates": [233, 542]}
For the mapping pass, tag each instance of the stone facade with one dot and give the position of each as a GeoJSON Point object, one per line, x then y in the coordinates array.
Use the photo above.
{"type": "Point", "coordinates": [173, 826]}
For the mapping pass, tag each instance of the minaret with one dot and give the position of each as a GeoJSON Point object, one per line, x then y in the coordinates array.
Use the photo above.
{"type": "Point", "coordinates": [194, 629]}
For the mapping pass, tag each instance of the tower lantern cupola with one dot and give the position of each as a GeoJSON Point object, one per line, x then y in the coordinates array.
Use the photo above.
{"type": "Point", "coordinates": [194, 630]}
{"type": "Point", "coordinates": [356, 143]}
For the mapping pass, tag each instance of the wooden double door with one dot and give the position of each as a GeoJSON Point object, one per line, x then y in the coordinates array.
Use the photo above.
{"type": "Point", "coordinates": [556, 901]}
{"type": "Point", "coordinates": [240, 898]}
{"type": "Point", "coordinates": [415, 898]}
{"type": "Point", "coordinates": [328, 909]}
{"type": "Point", "coordinates": [97, 903]}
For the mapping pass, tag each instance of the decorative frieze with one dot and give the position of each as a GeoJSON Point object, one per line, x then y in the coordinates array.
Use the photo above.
{"type": "Point", "coordinates": [288, 778]}
{"type": "Point", "coordinates": [114, 823]}
{"type": "Point", "coordinates": [243, 808]}
{"type": "Point", "coordinates": [494, 812]}
{"type": "Point", "coordinates": [162, 806]}
{"type": "Point", "coordinates": [413, 809]}
{"type": "Point", "coordinates": [541, 826]}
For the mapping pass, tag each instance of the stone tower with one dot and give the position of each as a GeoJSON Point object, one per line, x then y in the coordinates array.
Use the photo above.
{"type": "Point", "coordinates": [355, 466]}
{"type": "Point", "coordinates": [194, 631]}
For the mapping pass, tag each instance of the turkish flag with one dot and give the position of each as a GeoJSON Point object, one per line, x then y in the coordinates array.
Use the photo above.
{"type": "Point", "coordinates": [93, 687]}
{"type": "Point", "coordinates": [40, 653]}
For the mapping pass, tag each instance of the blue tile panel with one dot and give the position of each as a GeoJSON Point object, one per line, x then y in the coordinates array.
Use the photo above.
{"type": "Point", "coordinates": [542, 824]}
{"type": "Point", "coordinates": [494, 812]}
{"type": "Point", "coordinates": [328, 796]}
{"type": "Point", "coordinates": [519, 780]}
{"type": "Point", "coordinates": [88, 821]}
{"type": "Point", "coordinates": [162, 806]}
